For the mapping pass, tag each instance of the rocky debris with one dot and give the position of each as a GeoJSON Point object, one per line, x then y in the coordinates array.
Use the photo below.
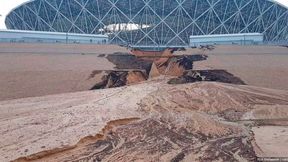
{"type": "Point", "coordinates": [192, 76]}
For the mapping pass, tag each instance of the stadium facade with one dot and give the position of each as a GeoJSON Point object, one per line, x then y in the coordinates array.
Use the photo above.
{"type": "Point", "coordinates": [153, 22]}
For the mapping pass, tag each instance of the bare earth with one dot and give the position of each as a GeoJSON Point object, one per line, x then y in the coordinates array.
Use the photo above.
{"type": "Point", "coordinates": [28, 70]}
{"type": "Point", "coordinates": [31, 70]}
{"type": "Point", "coordinates": [271, 141]}
{"type": "Point", "coordinates": [151, 121]}
{"type": "Point", "coordinates": [263, 66]}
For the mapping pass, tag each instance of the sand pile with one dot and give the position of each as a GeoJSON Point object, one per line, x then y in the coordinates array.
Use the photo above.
{"type": "Point", "coordinates": [152, 121]}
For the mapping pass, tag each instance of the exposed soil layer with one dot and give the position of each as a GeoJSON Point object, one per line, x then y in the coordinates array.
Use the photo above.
{"type": "Point", "coordinates": [133, 69]}
{"type": "Point", "coordinates": [180, 67]}
{"type": "Point", "coordinates": [207, 75]}
{"type": "Point", "coordinates": [153, 137]}
{"type": "Point", "coordinates": [128, 61]}
{"type": "Point", "coordinates": [112, 79]}
{"type": "Point", "coordinates": [176, 66]}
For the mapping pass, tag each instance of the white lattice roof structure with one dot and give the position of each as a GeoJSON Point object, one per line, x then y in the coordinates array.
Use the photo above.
{"type": "Point", "coordinates": [154, 22]}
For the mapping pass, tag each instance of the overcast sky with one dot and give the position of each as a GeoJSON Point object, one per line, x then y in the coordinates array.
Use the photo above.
{"type": "Point", "coordinates": [7, 5]}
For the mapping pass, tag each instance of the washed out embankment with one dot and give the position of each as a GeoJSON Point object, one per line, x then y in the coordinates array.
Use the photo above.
{"type": "Point", "coordinates": [142, 65]}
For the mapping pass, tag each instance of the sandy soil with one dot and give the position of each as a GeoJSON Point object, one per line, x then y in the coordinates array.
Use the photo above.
{"type": "Point", "coordinates": [272, 141]}
{"type": "Point", "coordinates": [61, 121]}
{"type": "Point", "coordinates": [30, 70]}
{"type": "Point", "coordinates": [151, 121]}
{"type": "Point", "coordinates": [59, 48]}
{"type": "Point", "coordinates": [264, 66]}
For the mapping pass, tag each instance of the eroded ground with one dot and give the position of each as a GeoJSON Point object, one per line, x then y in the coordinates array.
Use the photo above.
{"type": "Point", "coordinates": [186, 116]}
{"type": "Point", "coordinates": [260, 66]}
{"type": "Point", "coordinates": [151, 121]}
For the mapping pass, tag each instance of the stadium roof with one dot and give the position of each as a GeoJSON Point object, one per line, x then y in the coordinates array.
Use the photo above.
{"type": "Point", "coordinates": [157, 22]}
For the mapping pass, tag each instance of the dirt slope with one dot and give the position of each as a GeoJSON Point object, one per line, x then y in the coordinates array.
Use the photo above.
{"type": "Point", "coordinates": [147, 122]}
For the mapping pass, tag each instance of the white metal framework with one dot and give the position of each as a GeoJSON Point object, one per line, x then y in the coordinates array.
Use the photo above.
{"type": "Point", "coordinates": [153, 22]}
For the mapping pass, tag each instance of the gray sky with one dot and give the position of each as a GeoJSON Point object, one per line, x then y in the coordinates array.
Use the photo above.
{"type": "Point", "coordinates": [8, 5]}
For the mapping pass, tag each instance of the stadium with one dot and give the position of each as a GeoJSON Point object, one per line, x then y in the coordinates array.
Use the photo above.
{"type": "Point", "coordinates": [153, 22]}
